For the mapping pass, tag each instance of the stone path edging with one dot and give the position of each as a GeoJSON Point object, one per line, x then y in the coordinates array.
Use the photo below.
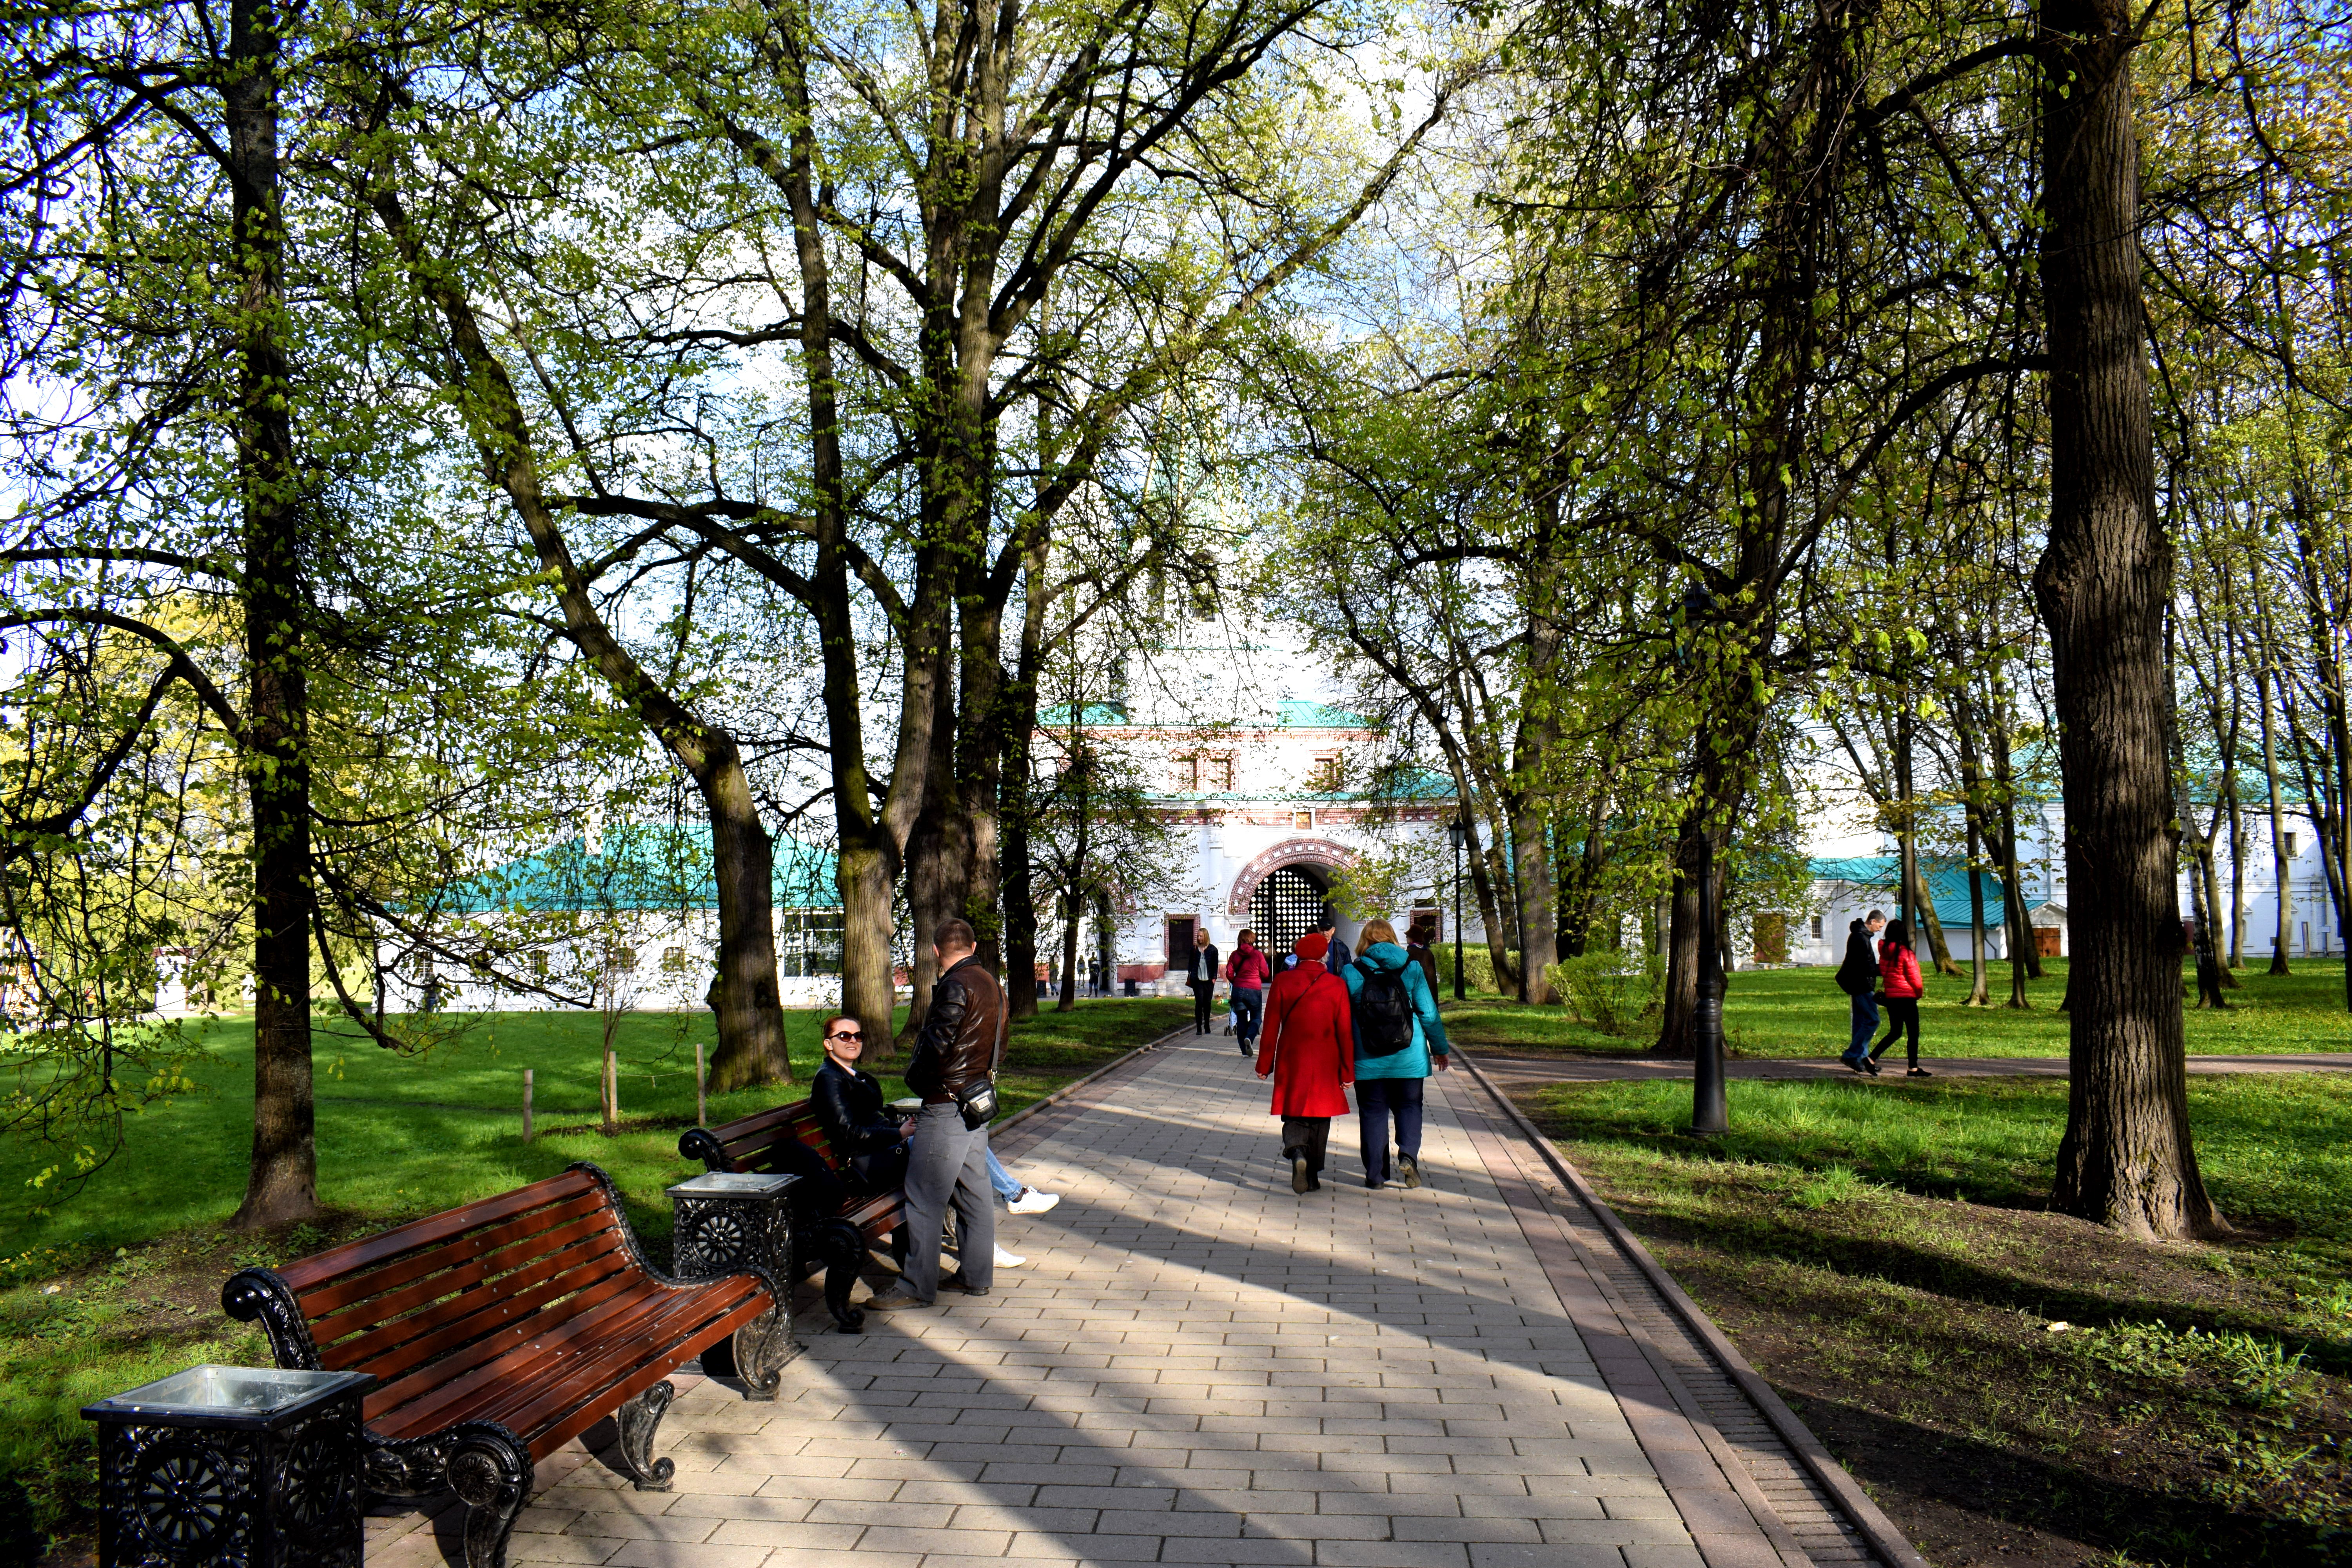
{"type": "Point", "coordinates": [1865, 1514]}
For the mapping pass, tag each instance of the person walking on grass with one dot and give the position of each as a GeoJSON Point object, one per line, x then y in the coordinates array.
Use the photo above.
{"type": "Point", "coordinates": [1858, 978]}
{"type": "Point", "coordinates": [947, 1162]}
{"type": "Point", "coordinates": [1309, 1053]}
{"type": "Point", "coordinates": [1398, 1033]}
{"type": "Point", "coordinates": [1249, 971]}
{"type": "Point", "coordinates": [1898, 971]}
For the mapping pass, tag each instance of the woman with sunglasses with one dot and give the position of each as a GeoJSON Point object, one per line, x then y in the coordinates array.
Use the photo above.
{"type": "Point", "coordinates": [849, 1103]}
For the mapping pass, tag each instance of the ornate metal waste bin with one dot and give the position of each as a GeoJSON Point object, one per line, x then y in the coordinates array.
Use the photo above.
{"type": "Point", "coordinates": [243, 1466]}
{"type": "Point", "coordinates": [725, 1219]}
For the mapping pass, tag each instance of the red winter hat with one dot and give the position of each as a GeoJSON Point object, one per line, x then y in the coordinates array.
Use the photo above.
{"type": "Point", "coordinates": [1312, 945]}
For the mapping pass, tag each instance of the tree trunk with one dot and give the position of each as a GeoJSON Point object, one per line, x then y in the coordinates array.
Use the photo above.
{"type": "Point", "coordinates": [2281, 872]}
{"type": "Point", "coordinates": [1532, 876]}
{"type": "Point", "coordinates": [1677, 1035]}
{"type": "Point", "coordinates": [749, 1008]}
{"type": "Point", "coordinates": [2021, 929]}
{"type": "Point", "coordinates": [2102, 586]}
{"type": "Point", "coordinates": [1017, 788]}
{"type": "Point", "coordinates": [283, 1182]}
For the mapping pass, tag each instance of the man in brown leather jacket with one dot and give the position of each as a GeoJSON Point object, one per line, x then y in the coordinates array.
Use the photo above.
{"type": "Point", "coordinates": [955, 1052]}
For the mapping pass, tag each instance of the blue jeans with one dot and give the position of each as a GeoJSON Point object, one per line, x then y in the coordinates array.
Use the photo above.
{"type": "Point", "coordinates": [1002, 1179]}
{"type": "Point", "coordinates": [1378, 1099]}
{"type": "Point", "coordinates": [1865, 1022]}
{"type": "Point", "coordinates": [1249, 1007]}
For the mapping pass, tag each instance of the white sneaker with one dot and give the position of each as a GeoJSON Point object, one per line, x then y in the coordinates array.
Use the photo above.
{"type": "Point", "coordinates": [1031, 1201]}
{"type": "Point", "coordinates": [1009, 1259]}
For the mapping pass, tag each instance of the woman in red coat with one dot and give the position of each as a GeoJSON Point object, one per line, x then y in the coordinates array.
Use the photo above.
{"type": "Point", "coordinates": [1309, 1048]}
{"type": "Point", "coordinates": [1899, 977]}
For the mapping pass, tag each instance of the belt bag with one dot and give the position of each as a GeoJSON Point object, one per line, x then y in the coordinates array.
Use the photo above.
{"type": "Point", "coordinates": [978, 1101]}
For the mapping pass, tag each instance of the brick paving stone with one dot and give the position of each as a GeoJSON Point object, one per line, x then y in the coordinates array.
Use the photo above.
{"type": "Point", "coordinates": [1199, 1367]}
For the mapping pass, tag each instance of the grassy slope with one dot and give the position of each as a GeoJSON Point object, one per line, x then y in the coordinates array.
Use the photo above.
{"type": "Point", "coordinates": [118, 1283]}
{"type": "Point", "coordinates": [1800, 1013]}
{"type": "Point", "coordinates": [1877, 1250]}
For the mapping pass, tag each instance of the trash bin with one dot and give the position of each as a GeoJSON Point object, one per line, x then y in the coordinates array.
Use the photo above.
{"type": "Point", "coordinates": [257, 1467]}
{"type": "Point", "coordinates": [725, 1219]}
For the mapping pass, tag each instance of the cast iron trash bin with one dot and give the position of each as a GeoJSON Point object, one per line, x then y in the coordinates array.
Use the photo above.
{"type": "Point", "coordinates": [244, 1466]}
{"type": "Point", "coordinates": [725, 1219]}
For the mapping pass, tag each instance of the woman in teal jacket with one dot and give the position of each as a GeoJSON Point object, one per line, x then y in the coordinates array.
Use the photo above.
{"type": "Point", "coordinates": [1392, 1052]}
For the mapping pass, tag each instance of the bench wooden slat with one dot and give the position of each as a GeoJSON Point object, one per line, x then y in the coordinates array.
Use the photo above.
{"type": "Point", "coordinates": [397, 1347]}
{"type": "Point", "coordinates": [364, 1289]}
{"type": "Point", "coordinates": [311, 1272]}
{"type": "Point", "coordinates": [505, 1351]}
{"type": "Point", "coordinates": [458, 1272]}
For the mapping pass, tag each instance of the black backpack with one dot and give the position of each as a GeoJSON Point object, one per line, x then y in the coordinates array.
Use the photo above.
{"type": "Point", "coordinates": [1383, 1013]}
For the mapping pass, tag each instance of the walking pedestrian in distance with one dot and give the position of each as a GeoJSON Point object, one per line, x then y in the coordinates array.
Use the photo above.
{"type": "Point", "coordinates": [1309, 1052]}
{"type": "Point", "coordinates": [1336, 956]}
{"type": "Point", "coordinates": [1249, 971]}
{"type": "Point", "coordinates": [1398, 1033]}
{"type": "Point", "coordinates": [1203, 978]}
{"type": "Point", "coordinates": [1417, 945]}
{"type": "Point", "coordinates": [1898, 970]}
{"type": "Point", "coordinates": [1858, 978]}
{"type": "Point", "coordinates": [955, 1056]}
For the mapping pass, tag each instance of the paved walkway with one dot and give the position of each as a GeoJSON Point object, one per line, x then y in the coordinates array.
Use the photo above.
{"type": "Point", "coordinates": [1534, 1067]}
{"type": "Point", "coordinates": [1199, 1367]}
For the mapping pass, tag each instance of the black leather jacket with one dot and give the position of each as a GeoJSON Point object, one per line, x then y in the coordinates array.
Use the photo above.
{"type": "Point", "coordinates": [957, 1047]}
{"type": "Point", "coordinates": [849, 1103]}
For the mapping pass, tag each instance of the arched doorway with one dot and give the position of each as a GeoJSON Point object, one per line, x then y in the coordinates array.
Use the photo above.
{"type": "Point", "coordinates": [1288, 904]}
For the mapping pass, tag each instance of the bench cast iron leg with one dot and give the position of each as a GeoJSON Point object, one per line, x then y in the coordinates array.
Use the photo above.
{"type": "Point", "coordinates": [637, 1420]}
{"type": "Point", "coordinates": [491, 1471]}
{"type": "Point", "coordinates": [764, 1348]}
{"type": "Point", "coordinates": [844, 1254]}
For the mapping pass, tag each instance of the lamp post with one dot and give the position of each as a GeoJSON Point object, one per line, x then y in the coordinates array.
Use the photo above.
{"type": "Point", "coordinates": [1455, 833]}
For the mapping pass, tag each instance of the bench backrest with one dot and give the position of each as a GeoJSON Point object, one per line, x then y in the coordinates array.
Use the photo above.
{"type": "Point", "coordinates": [434, 1298]}
{"type": "Point", "coordinates": [767, 1143]}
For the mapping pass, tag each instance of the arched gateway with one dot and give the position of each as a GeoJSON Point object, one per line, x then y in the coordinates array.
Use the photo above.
{"type": "Point", "coordinates": [1284, 890]}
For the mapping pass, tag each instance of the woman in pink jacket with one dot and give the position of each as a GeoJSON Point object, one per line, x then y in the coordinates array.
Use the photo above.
{"type": "Point", "coordinates": [1899, 977]}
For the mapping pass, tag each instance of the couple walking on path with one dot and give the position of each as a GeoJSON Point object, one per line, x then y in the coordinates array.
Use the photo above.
{"type": "Point", "coordinates": [1374, 1024]}
{"type": "Point", "coordinates": [1891, 975]}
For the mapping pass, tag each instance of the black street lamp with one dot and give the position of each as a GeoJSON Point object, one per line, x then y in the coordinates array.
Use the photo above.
{"type": "Point", "coordinates": [1455, 833]}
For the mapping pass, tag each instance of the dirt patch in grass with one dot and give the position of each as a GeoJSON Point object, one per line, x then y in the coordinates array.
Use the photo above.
{"type": "Point", "coordinates": [1900, 1290]}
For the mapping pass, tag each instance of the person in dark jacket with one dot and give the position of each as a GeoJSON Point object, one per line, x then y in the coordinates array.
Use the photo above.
{"type": "Point", "coordinates": [849, 1104]}
{"type": "Point", "coordinates": [1858, 978]}
{"type": "Point", "coordinates": [1418, 940]}
{"type": "Point", "coordinates": [955, 1052]}
{"type": "Point", "coordinates": [1202, 978]}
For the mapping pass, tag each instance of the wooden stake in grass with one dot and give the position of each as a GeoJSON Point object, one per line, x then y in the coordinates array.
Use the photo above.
{"type": "Point", "coordinates": [612, 1092]}
{"type": "Point", "coordinates": [526, 1105]}
{"type": "Point", "coordinates": [701, 1090]}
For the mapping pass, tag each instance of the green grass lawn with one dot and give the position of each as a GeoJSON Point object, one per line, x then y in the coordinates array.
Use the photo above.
{"type": "Point", "coordinates": [118, 1282]}
{"type": "Point", "coordinates": [1883, 1254]}
{"type": "Point", "coordinates": [1801, 1012]}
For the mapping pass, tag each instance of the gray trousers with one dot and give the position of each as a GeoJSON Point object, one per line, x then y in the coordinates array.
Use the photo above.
{"type": "Point", "coordinates": [948, 1162]}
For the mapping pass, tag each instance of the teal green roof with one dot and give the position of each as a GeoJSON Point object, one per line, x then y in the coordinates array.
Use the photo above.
{"type": "Point", "coordinates": [1946, 883]}
{"type": "Point", "coordinates": [1288, 715]}
{"type": "Point", "coordinates": [638, 866]}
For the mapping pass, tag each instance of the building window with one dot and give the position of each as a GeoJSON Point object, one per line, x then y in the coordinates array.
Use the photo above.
{"type": "Point", "coordinates": [1219, 772]}
{"type": "Point", "coordinates": [1817, 928]}
{"type": "Point", "coordinates": [2289, 840]}
{"type": "Point", "coordinates": [538, 963]}
{"type": "Point", "coordinates": [1429, 920]}
{"type": "Point", "coordinates": [621, 958]}
{"type": "Point", "coordinates": [673, 961]}
{"type": "Point", "coordinates": [1186, 772]}
{"type": "Point", "coordinates": [810, 943]}
{"type": "Point", "coordinates": [1325, 778]}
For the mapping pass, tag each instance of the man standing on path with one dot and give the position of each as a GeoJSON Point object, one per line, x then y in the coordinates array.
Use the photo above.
{"type": "Point", "coordinates": [1203, 978]}
{"type": "Point", "coordinates": [1858, 978]}
{"type": "Point", "coordinates": [954, 1055]}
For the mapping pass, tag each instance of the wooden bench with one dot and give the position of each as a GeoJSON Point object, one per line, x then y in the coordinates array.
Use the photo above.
{"type": "Point", "coordinates": [836, 1222]}
{"type": "Point", "coordinates": [501, 1331]}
